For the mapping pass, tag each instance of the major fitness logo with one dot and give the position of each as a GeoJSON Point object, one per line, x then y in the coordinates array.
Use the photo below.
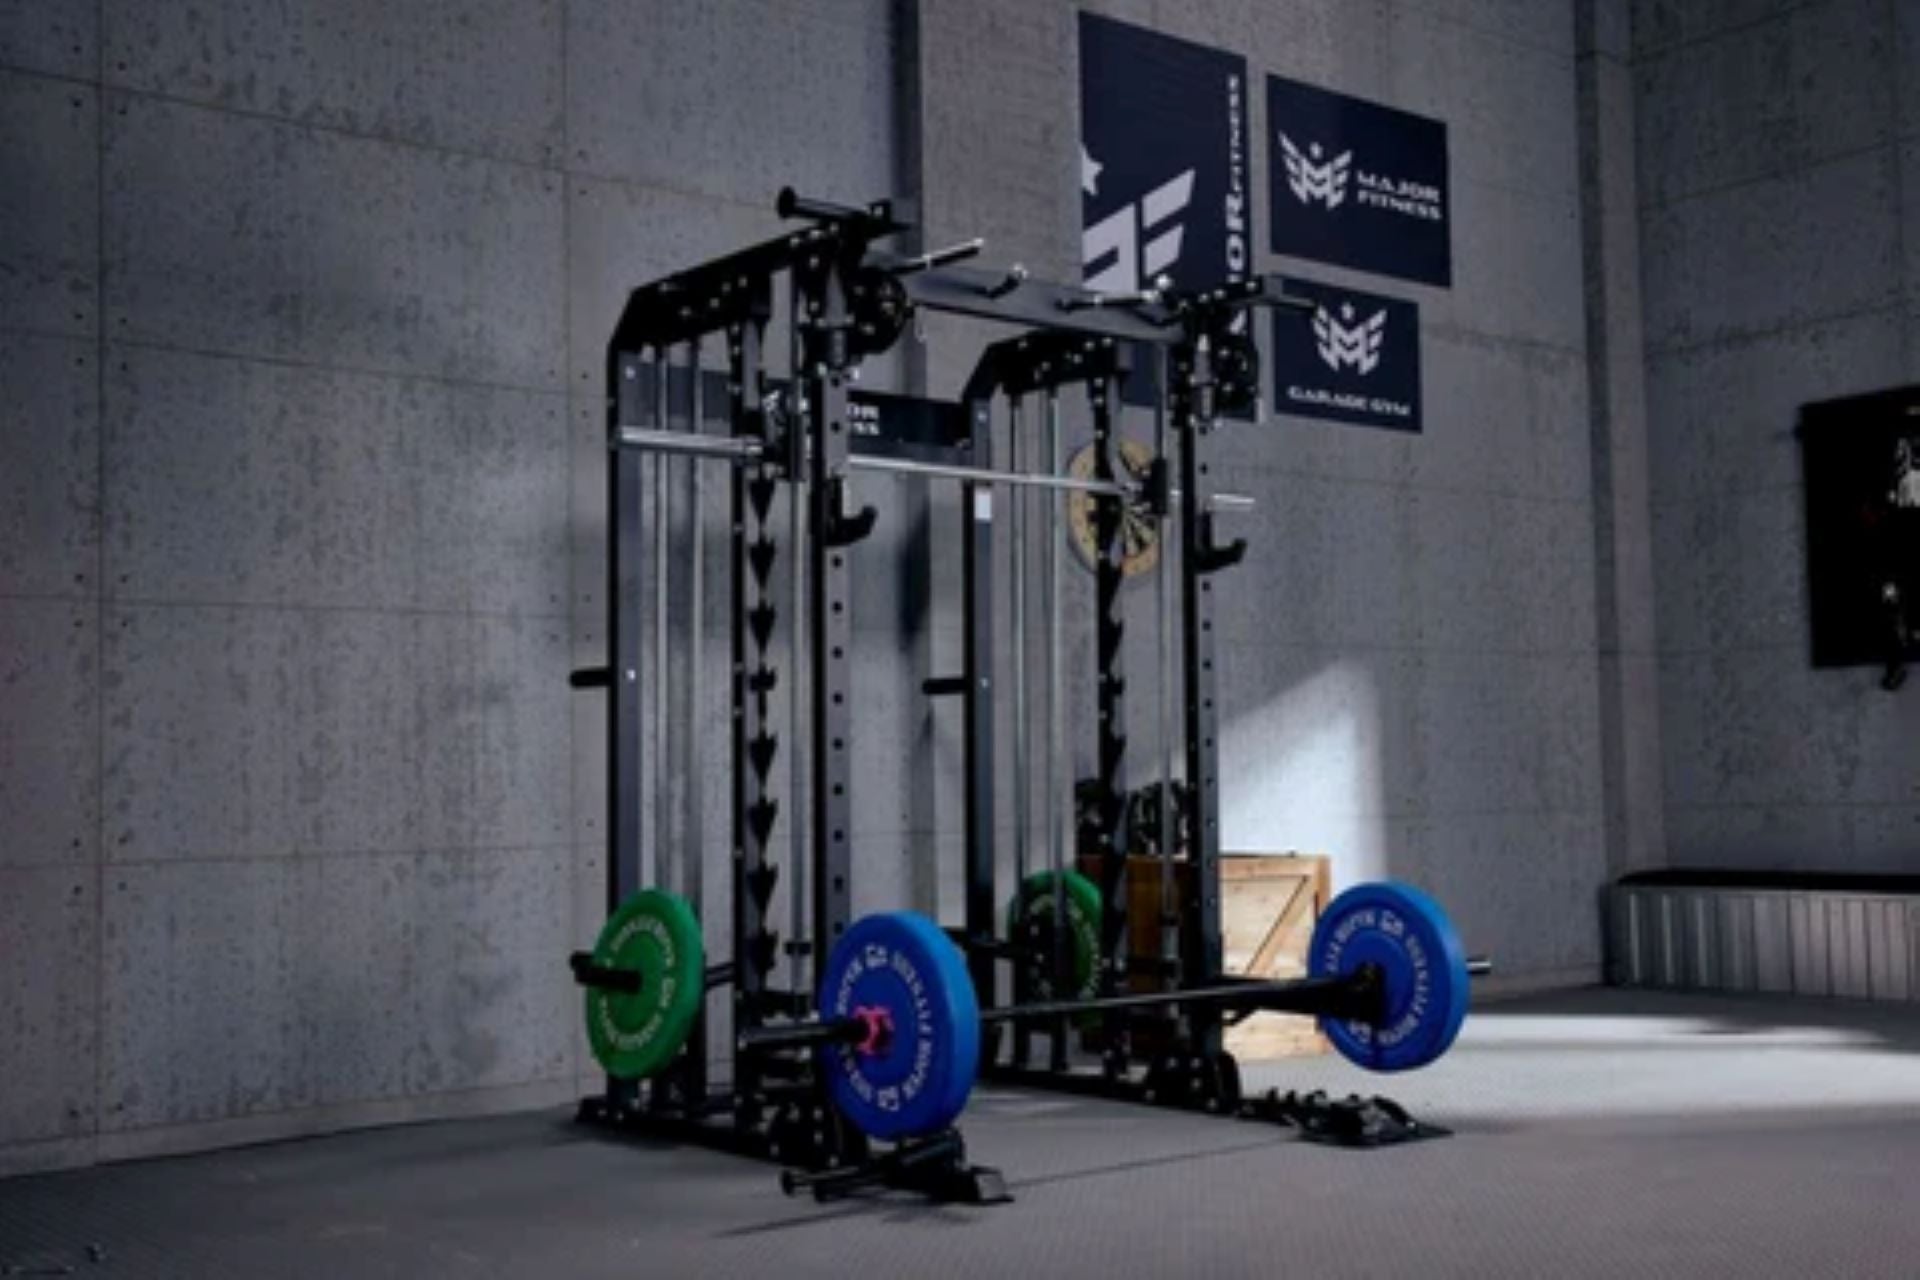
{"type": "Point", "coordinates": [1357, 360]}
{"type": "Point", "coordinates": [1310, 178]}
{"type": "Point", "coordinates": [1345, 342]}
{"type": "Point", "coordinates": [1358, 184]}
{"type": "Point", "coordinates": [1163, 163]}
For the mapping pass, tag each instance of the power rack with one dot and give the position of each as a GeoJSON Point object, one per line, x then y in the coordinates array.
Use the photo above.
{"type": "Point", "coordinates": [793, 446]}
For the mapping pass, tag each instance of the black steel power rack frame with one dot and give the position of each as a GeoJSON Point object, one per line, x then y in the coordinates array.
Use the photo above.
{"type": "Point", "coordinates": [849, 300]}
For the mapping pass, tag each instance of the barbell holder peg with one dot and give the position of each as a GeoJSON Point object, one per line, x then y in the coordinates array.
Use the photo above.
{"type": "Point", "coordinates": [939, 257]}
{"type": "Point", "coordinates": [791, 204]}
{"type": "Point", "coordinates": [1015, 277]}
{"type": "Point", "coordinates": [1148, 297]}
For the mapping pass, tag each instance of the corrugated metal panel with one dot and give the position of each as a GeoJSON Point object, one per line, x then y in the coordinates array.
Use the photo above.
{"type": "Point", "coordinates": [1772, 944]}
{"type": "Point", "coordinates": [1818, 944]}
{"type": "Point", "coordinates": [1668, 947]}
{"type": "Point", "coordinates": [1889, 946]}
{"type": "Point", "coordinates": [1847, 926]}
{"type": "Point", "coordinates": [1623, 937]}
{"type": "Point", "coordinates": [1704, 947]}
{"type": "Point", "coordinates": [1810, 961]}
{"type": "Point", "coordinates": [1736, 942]}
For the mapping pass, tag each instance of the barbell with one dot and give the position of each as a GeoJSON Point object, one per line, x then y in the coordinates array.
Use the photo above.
{"type": "Point", "coordinates": [899, 1024]}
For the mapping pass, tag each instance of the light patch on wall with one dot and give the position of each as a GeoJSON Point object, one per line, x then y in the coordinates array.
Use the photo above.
{"type": "Point", "coordinates": [1301, 772]}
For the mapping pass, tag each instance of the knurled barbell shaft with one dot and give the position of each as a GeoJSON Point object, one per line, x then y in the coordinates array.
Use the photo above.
{"type": "Point", "coordinates": [1347, 996]}
{"type": "Point", "coordinates": [1329, 997]}
{"type": "Point", "coordinates": [1343, 996]}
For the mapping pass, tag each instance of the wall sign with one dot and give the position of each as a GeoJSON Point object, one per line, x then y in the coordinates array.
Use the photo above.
{"type": "Point", "coordinates": [1163, 165]}
{"type": "Point", "coordinates": [1356, 359]}
{"type": "Point", "coordinates": [1357, 184]}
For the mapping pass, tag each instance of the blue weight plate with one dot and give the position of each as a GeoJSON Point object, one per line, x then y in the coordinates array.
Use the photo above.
{"type": "Point", "coordinates": [1406, 934]}
{"type": "Point", "coordinates": [918, 1078]}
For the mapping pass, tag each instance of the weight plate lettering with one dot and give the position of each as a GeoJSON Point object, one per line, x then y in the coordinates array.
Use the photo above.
{"type": "Point", "coordinates": [1406, 934]}
{"type": "Point", "coordinates": [918, 1078]}
{"type": "Point", "coordinates": [634, 1034]}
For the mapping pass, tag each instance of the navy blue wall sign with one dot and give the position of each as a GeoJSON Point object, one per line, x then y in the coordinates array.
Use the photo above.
{"type": "Point", "coordinates": [1163, 159]}
{"type": "Point", "coordinates": [1358, 184]}
{"type": "Point", "coordinates": [1356, 359]}
{"type": "Point", "coordinates": [1163, 165]}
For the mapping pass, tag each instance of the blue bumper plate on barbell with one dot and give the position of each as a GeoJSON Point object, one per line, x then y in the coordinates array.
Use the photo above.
{"type": "Point", "coordinates": [1407, 935]}
{"type": "Point", "coordinates": [916, 1080]}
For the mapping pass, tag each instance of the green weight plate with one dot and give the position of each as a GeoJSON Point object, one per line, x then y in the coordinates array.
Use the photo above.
{"type": "Point", "coordinates": [1081, 903]}
{"type": "Point", "coordinates": [636, 1033]}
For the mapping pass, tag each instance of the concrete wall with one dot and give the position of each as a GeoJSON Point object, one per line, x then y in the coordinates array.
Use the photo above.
{"type": "Point", "coordinates": [1776, 168]}
{"type": "Point", "coordinates": [301, 520]}
{"type": "Point", "coordinates": [1409, 656]}
{"type": "Point", "coordinates": [302, 510]}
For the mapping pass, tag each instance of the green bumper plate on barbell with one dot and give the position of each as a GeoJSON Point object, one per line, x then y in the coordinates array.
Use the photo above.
{"type": "Point", "coordinates": [636, 1033]}
{"type": "Point", "coordinates": [1080, 905]}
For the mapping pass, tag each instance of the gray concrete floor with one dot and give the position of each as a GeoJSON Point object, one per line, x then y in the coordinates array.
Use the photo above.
{"type": "Point", "coordinates": [1599, 1134]}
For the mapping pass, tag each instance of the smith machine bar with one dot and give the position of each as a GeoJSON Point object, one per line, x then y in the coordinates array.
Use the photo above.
{"type": "Point", "coordinates": [795, 448]}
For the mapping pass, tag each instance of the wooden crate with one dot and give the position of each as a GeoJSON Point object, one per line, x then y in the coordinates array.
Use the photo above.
{"type": "Point", "coordinates": [1268, 906]}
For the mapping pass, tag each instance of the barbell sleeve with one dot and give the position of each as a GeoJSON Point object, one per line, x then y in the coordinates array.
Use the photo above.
{"type": "Point", "coordinates": [589, 973]}
{"type": "Point", "coordinates": [602, 977]}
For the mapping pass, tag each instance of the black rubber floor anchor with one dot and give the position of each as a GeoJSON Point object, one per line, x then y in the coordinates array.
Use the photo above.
{"type": "Point", "coordinates": [1352, 1121]}
{"type": "Point", "coordinates": [935, 1167]}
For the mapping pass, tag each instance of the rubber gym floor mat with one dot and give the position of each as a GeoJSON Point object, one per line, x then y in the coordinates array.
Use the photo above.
{"type": "Point", "coordinates": [1769, 1138]}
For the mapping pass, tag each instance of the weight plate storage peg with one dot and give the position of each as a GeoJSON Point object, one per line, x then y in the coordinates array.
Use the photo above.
{"type": "Point", "coordinates": [1033, 905]}
{"type": "Point", "coordinates": [914, 1070]}
{"type": "Point", "coordinates": [634, 1034]}
{"type": "Point", "coordinates": [1422, 966]}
